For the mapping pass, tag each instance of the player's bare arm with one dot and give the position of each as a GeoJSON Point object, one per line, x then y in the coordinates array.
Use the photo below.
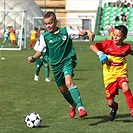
{"type": "Point", "coordinates": [93, 48]}
{"type": "Point", "coordinates": [87, 32]}
{"type": "Point", "coordinates": [103, 57]}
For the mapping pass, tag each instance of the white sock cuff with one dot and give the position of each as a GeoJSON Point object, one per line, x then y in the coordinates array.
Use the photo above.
{"type": "Point", "coordinates": [81, 107]}
{"type": "Point", "coordinates": [73, 87]}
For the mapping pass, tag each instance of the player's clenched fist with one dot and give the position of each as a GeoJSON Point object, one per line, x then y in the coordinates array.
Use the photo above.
{"type": "Point", "coordinates": [31, 59]}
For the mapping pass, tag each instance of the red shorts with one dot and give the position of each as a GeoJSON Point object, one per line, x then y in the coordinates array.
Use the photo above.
{"type": "Point", "coordinates": [13, 41]}
{"type": "Point", "coordinates": [112, 88]}
{"type": "Point", "coordinates": [33, 40]}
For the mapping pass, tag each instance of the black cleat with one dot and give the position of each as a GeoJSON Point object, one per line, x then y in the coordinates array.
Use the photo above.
{"type": "Point", "coordinates": [112, 114]}
{"type": "Point", "coordinates": [132, 118]}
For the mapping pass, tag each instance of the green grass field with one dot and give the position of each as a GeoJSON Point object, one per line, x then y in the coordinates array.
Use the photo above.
{"type": "Point", "coordinates": [21, 95]}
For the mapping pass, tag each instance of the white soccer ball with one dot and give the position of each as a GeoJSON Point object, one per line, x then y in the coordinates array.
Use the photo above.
{"type": "Point", "coordinates": [33, 120]}
{"type": "Point", "coordinates": [2, 58]}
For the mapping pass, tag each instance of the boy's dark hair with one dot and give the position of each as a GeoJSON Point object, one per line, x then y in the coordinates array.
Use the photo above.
{"type": "Point", "coordinates": [36, 28]}
{"type": "Point", "coordinates": [42, 28]}
{"type": "Point", "coordinates": [49, 14]}
{"type": "Point", "coordinates": [123, 29]}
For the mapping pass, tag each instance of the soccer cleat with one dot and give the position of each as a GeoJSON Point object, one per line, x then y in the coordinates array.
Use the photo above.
{"type": "Point", "coordinates": [82, 113]}
{"type": "Point", "coordinates": [47, 80]}
{"type": "Point", "coordinates": [36, 78]}
{"type": "Point", "coordinates": [72, 112]}
{"type": "Point", "coordinates": [112, 114]}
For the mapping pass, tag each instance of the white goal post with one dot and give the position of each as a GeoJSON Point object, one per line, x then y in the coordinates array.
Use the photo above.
{"type": "Point", "coordinates": [16, 19]}
{"type": "Point", "coordinates": [38, 22]}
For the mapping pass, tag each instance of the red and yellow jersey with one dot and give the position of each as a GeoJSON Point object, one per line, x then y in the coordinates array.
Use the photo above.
{"type": "Point", "coordinates": [12, 35]}
{"type": "Point", "coordinates": [34, 36]}
{"type": "Point", "coordinates": [116, 66]}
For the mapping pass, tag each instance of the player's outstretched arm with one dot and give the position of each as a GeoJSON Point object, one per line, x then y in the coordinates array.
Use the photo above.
{"type": "Point", "coordinates": [102, 57]}
{"type": "Point", "coordinates": [90, 34]}
{"type": "Point", "coordinates": [32, 59]}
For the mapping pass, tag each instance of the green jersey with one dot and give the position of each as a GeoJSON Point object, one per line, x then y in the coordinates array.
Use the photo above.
{"type": "Point", "coordinates": [6, 33]}
{"type": "Point", "coordinates": [36, 48]}
{"type": "Point", "coordinates": [59, 46]}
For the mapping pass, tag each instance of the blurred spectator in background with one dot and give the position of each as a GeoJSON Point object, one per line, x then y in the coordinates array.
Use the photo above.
{"type": "Point", "coordinates": [124, 18]}
{"type": "Point", "coordinates": [126, 3]}
{"type": "Point", "coordinates": [119, 3]}
{"type": "Point", "coordinates": [111, 32]}
{"type": "Point", "coordinates": [117, 18]}
{"type": "Point", "coordinates": [108, 28]}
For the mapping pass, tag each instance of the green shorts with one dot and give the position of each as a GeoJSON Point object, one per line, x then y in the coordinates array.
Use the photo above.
{"type": "Point", "coordinates": [6, 38]}
{"type": "Point", "coordinates": [44, 62]}
{"type": "Point", "coordinates": [66, 69]}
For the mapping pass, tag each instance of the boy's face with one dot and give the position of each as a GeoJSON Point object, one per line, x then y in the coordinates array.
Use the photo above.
{"type": "Point", "coordinates": [118, 37]}
{"type": "Point", "coordinates": [50, 24]}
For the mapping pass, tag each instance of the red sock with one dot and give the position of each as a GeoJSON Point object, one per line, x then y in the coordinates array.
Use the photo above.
{"type": "Point", "coordinates": [115, 106]}
{"type": "Point", "coordinates": [31, 45]}
{"type": "Point", "coordinates": [129, 100]}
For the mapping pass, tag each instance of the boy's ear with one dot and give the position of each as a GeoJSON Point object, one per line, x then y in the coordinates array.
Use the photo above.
{"type": "Point", "coordinates": [56, 20]}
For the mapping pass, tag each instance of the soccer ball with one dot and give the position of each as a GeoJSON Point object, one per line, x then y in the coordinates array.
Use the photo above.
{"type": "Point", "coordinates": [33, 120]}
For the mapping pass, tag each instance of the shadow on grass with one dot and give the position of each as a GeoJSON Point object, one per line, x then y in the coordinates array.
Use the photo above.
{"type": "Point", "coordinates": [84, 70]}
{"type": "Point", "coordinates": [80, 79]}
{"type": "Point", "coordinates": [104, 119]}
{"type": "Point", "coordinates": [43, 126]}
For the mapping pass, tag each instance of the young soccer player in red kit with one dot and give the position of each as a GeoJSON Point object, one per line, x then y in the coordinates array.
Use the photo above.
{"type": "Point", "coordinates": [112, 54]}
{"type": "Point", "coordinates": [111, 32]}
{"type": "Point", "coordinates": [33, 37]}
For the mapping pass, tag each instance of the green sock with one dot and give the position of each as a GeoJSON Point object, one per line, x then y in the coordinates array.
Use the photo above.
{"type": "Point", "coordinates": [9, 43]}
{"type": "Point", "coordinates": [69, 98]}
{"type": "Point", "coordinates": [2, 44]}
{"type": "Point", "coordinates": [37, 68]}
{"type": "Point", "coordinates": [37, 72]}
{"type": "Point", "coordinates": [47, 71]}
{"type": "Point", "coordinates": [76, 95]}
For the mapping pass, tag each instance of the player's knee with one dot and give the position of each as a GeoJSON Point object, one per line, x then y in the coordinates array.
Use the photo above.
{"type": "Point", "coordinates": [110, 103]}
{"type": "Point", "coordinates": [125, 86]}
{"type": "Point", "coordinates": [69, 84]}
{"type": "Point", "coordinates": [63, 89]}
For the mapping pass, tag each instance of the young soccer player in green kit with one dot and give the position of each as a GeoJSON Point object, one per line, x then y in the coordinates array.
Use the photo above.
{"type": "Point", "coordinates": [42, 60]}
{"type": "Point", "coordinates": [6, 37]}
{"type": "Point", "coordinates": [62, 57]}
